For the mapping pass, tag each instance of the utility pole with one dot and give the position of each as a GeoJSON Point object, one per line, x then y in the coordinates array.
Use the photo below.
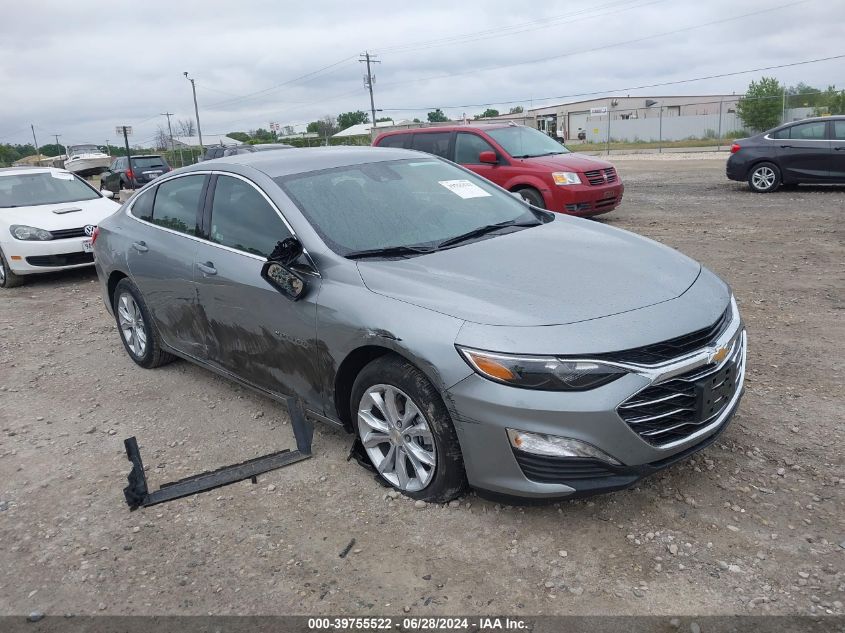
{"type": "Point", "coordinates": [369, 80]}
{"type": "Point", "coordinates": [35, 140]}
{"type": "Point", "coordinates": [126, 130]}
{"type": "Point", "coordinates": [196, 110]}
{"type": "Point", "coordinates": [719, 141]}
{"type": "Point", "coordinates": [57, 142]}
{"type": "Point", "coordinates": [783, 107]}
{"type": "Point", "coordinates": [170, 132]}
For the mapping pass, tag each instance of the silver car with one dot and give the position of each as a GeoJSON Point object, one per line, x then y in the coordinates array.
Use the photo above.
{"type": "Point", "coordinates": [462, 335]}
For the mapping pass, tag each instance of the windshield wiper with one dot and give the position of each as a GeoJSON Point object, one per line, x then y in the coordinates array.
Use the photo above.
{"type": "Point", "coordinates": [390, 251]}
{"type": "Point", "coordinates": [538, 155]}
{"type": "Point", "coordinates": [484, 230]}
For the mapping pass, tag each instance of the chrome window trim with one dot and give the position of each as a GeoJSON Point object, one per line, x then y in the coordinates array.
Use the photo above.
{"type": "Point", "coordinates": [803, 140]}
{"type": "Point", "coordinates": [201, 240]}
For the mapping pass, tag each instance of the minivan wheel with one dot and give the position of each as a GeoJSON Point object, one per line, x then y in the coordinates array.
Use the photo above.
{"type": "Point", "coordinates": [406, 431]}
{"type": "Point", "coordinates": [8, 279]}
{"type": "Point", "coordinates": [764, 178]}
{"type": "Point", "coordinates": [137, 331]}
{"type": "Point", "coordinates": [532, 197]}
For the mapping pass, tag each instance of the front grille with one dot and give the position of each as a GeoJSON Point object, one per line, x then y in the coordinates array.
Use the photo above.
{"type": "Point", "coordinates": [607, 202]}
{"type": "Point", "coordinates": [67, 259]}
{"type": "Point", "coordinates": [674, 347]}
{"type": "Point", "coordinates": [675, 408]}
{"type": "Point", "coordinates": [68, 233]}
{"type": "Point", "coordinates": [601, 176]}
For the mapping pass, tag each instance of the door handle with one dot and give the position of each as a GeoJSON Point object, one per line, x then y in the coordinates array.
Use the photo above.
{"type": "Point", "coordinates": [141, 247]}
{"type": "Point", "coordinates": [785, 146]}
{"type": "Point", "coordinates": [839, 149]}
{"type": "Point", "coordinates": [207, 268]}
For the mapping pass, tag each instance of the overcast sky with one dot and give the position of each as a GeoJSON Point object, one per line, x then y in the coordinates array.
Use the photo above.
{"type": "Point", "coordinates": [81, 68]}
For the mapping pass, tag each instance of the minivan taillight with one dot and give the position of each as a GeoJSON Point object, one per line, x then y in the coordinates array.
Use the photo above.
{"type": "Point", "coordinates": [735, 148]}
{"type": "Point", "coordinates": [95, 234]}
{"type": "Point", "coordinates": [129, 174]}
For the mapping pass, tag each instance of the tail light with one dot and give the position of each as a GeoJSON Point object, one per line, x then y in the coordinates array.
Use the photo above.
{"type": "Point", "coordinates": [735, 148]}
{"type": "Point", "coordinates": [129, 174]}
{"type": "Point", "coordinates": [95, 234]}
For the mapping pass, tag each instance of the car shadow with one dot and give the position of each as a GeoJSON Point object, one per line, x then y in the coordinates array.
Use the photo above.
{"type": "Point", "coordinates": [60, 277]}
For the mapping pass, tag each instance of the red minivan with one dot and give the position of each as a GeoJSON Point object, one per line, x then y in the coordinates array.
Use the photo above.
{"type": "Point", "coordinates": [523, 160]}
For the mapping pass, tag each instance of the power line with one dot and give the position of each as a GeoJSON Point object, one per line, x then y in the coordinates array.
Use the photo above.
{"type": "Point", "coordinates": [627, 89]}
{"type": "Point", "coordinates": [597, 48]}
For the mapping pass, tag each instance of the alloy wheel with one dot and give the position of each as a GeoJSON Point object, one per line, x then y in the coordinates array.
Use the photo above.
{"type": "Point", "coordinates": [132, 324]}
{"type": "Point", "coordinates": [763, 178]}
{"type": "Point", "coordinates": [397, 437]}
{"type": "Point", "coordinates": [2, 271]}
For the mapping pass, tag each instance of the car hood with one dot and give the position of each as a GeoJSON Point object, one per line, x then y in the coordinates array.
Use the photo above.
{"type": "Point", "coordinates": [567, 162]}
{"type": "Point", "coordinates": [562, 272]}
{"type": "Point", "coordinates": [43, 216]}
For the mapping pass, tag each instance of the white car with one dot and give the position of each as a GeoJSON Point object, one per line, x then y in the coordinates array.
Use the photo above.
{"type": "Point", "coordinates": [47, 217]}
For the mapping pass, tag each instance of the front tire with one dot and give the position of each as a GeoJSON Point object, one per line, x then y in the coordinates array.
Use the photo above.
{"type": "Point", "coordinates": [137, 330]}
{"type": "Point", "coordinates": [532, 197]}
{"type": "Point", "coordinates": [406, 431]}
{"type": "Point", "coordinates": [764, 178]}
{"type": "Point", "coordinates": [8, 279]}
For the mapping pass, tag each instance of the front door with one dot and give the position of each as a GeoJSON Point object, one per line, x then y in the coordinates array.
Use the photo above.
{"type": "Point", "coordinates": [804, 152]}
{"type": "Point", "coordinates": [837, 158]}
{"type": "Point", "coordinates": [161, 260]}
{"type": "Point", "coordinates": [255, 332]}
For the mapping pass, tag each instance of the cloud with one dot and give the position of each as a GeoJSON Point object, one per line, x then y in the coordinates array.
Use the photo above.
{"type": "Point", "coordinates": [80, 69]}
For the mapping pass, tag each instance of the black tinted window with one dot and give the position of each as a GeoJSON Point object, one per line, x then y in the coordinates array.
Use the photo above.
{"type": "Point", "coordinates": [839, 130]}
{"type": "Point", "coordinates": [784, 133]}
{"type": "Point", "coordinates": [808, 131]}
{"type": "Point", "coordinates": [149, 162]}
{"type": "Point", "coordinates": [143, 206]}
{"type": "Point", "coordinates": [397, 140]}
{"type": "Point", "coordinates": [177, 202]}
{"type": "Point", "coordinates": [469, 146]}
{"type": "Point", "coordinates": [241, 218]}
{"type": "Point", "coordinates": [433, 143]}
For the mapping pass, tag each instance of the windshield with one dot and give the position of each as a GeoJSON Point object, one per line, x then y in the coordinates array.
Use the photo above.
{"type": "Point", "coordinates": [399, 203]}
{"type": "Point", "coordinates": [525, 142]}
{"type": "Point", "coordinates": [85, 149]}
{"type": "Point", "coordinates": [23, 190]}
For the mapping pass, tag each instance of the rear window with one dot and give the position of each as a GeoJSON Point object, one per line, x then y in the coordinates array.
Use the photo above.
{"type": "Point", "coordinates": [804, 131]}
{"type": "Point", "coordinates": [148, 162]}
{"type": "Point", "coordinates": [436, 143]}
{"type": "Point", "coordinates": [396, 140]}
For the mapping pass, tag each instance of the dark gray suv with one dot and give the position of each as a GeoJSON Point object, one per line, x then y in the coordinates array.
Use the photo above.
{"type": "Point", "coordinates": [463, 335]}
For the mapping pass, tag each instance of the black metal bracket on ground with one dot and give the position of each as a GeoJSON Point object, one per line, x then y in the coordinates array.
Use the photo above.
{"type": "Point", "coordinates": [138, 495]}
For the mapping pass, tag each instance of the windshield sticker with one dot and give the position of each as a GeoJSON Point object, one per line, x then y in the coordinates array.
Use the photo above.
{"type": "Point", "coordinates": [464, 188]}
{"type": "Point", "coordinates": [61, 175]}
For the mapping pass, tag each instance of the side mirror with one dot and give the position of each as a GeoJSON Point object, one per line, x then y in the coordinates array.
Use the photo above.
{"type": "Point", "coordinates": [277, 272]}
{"type": "Point", "coordinates": [488, 157]}
{"type": "Point", "coordinates": [107, 193]}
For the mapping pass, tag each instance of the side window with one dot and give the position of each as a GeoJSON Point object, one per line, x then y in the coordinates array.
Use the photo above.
{"type": "Point", "coordinates": [808, 131]}
{"type": "Point", "coordinates": [784, 133]}
{"type": "Point", "coordinates": [839, 130]}
{"type": "Point", "coordinates": [396, 140]}
{"type": "Point", "coordinates": [433, 143]}
{"type": "Point", "coordinates": [142, 208]}
{"type": "Point", "coordinates": [468, 146]}
{"type": "Point", "coordinates": [177, 202]}
{"type": "Point", "coordinates": [241, 218]}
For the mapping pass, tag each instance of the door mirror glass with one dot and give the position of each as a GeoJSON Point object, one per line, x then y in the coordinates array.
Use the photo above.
{"type": "Point", "coordinates": [283, 279]}
{"type": "Point", "coordinates": [487, 157]}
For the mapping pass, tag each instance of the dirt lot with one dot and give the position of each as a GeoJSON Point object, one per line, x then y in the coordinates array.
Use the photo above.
{"type": "Point", "coordinates": [754, 524]}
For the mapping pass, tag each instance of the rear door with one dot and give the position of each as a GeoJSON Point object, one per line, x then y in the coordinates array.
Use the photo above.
{"type": "Point", "coordinates": [161, 259]}
{"type": "Point", "coordinates": [837, 157]}
{"type": "Point", "coordinates": [804, 151]}
{"type": "Point", "coordinates": [255, 332]}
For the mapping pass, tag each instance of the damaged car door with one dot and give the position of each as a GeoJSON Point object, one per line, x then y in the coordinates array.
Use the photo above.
{"type": "Point", "coordinates": [255, 332]}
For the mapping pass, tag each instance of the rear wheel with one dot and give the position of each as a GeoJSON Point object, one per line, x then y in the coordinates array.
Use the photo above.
{"type": "Point", "coordinates": [8, 279]}
{"type": "Point", "coordinates": [532, 197]}
{"type": "Point", "coordinates": [406, 431]}
{"type": "Point", "coordinates": [137, 330]}
{"type": "Point", "coordinates": [764, 178]}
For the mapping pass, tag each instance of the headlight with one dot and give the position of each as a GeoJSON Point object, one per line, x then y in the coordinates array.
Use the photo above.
{"type": "Point", "coordinates": [566, 178]}
{"type": "Point", "coordinates": [546, 373]}
{"type": "Point", "coordinates": [29, 233]}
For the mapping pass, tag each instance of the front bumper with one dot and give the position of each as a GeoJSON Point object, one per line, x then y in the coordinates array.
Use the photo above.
{"type": "Point", "coordinates": [484, 410]}
{"type": "Point", "coordinates": [29, 258]}
{"type": "Point", "coordinates": [587, 200]}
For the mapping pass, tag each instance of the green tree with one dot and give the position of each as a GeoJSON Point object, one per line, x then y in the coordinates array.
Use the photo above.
{"type": "Point", "coordinates": [383, 119]}
{"type": "Point", "coordinates": [243, 137]}
{"type": "Point", "coordinates": [486, 114]}
{"type": "Point", "coordinates": [52, 149]}
{"type": "Point", "coordinates": [516, 110]}
{"type": "Point", "coordinates": [262, 136]}
{"type": "Point", "coordinates": [437, 116]}
{"type": "Point", "coordinates": [348, 119]}
{"type": "Point", "coordinates": [760, 108]}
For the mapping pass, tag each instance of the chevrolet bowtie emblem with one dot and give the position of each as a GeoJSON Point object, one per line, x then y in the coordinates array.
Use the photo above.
{"type": "Point", "coordinates": [719, 355]}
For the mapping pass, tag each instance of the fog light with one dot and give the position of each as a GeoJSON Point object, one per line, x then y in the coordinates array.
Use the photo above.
{"type": "Point", "coordinates": [554, 446]}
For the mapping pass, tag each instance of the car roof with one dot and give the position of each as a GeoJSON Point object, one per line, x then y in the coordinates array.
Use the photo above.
{"type": "Point", "coordinates": [308, 159]}
{"type": "Point", "coordinates": [20, 169]}
{"type": "Point", "coordinates": [144, 156]}
{"type": "Point", "coordinates": [479, 127]}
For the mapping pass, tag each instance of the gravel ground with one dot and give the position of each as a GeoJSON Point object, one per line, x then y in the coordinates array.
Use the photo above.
{"type": "Point", "coordinates": [754, 524]}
